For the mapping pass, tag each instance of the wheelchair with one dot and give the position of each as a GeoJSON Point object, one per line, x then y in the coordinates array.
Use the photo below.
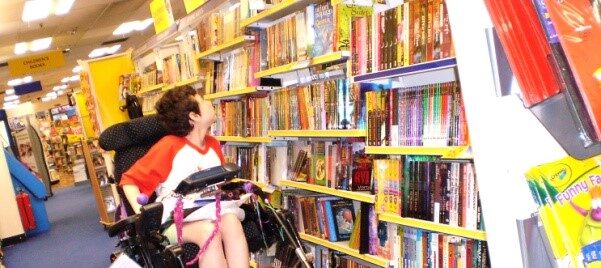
{"type": "Point", "coordinates": [140, 235]}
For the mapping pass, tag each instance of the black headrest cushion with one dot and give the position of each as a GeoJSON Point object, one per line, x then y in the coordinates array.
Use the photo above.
{"type": "Point", "coordinates": [139, 131]}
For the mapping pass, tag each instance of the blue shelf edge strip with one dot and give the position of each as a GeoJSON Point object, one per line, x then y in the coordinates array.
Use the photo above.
{"type": "Point", "coordinates": [405, 70]}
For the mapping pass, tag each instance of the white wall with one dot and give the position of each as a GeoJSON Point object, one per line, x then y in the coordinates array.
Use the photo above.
{"type": "Point", "coordinates": [506, 138]}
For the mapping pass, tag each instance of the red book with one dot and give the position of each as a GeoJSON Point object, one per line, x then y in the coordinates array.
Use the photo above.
{"type": "Point", "coordinates": [578, 26]}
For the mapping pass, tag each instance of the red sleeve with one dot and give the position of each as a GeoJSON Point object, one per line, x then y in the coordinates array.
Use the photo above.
{"type": "Point", "coordinates": [154, 167]}
{"type": "Point", "coordinates": [216, 146]}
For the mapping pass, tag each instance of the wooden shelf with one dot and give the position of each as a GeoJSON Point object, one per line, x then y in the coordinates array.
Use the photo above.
{"type": "Point", "coordinates": [275, 12]}
{"type": "Point", "coordinates": [150, 113]}
{"type": "Point", "coordinates": [432, 226]}
{"type": "Point", "coordinates": [244, 139]}
{"type": "Point", "coordinates": [318, 133]}
{"type": "Point", "coordinates": [151, 88]}
{"type": "Point", "coordinates": [408, 70]}
{"type": "Point", "coordinates": [414, 150]}
{"type": "Point", "coordinates": [359, 196]}
{"type": "Point", "coordinates": [344, 248]}
{"type": "Point", "coordinates": [231, 93]}
{"type": "Point", "coordinates": [328, 58]}
{"type": "Point", "coordinates": [253, 264]}
{"type": "Point", "coordinates": [226, 47]}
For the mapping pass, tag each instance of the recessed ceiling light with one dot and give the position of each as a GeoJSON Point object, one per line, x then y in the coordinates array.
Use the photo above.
{"type": "Point", "coordinates": [130, 26]}
{"type": "Point", "coordinates": [74, 78]}
{"type": "Point", "coordinates": [9, 91]}
{"type": "Point", "coordinates": [76, 69]}
{"type": "Point", "coordinates": [63, 7]}
{"type": "Point", "coordinates": [40, 44]}
{"type": "Point", "coordinates": [21, 48]}
{"type": "Point", "coordinates": [18, 81]}
{"type": "Point", "coordinates": [36, 10]}
{"type": "Point", "coordinates": [10, 98]}
{"type": "Point", "coordinates": [104, 51]}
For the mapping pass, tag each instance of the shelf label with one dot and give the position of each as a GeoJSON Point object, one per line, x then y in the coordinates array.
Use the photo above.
{"type": "Point", "coordinates": [191, 5]}
{"type": "Point", "coordinates": [162, 15]}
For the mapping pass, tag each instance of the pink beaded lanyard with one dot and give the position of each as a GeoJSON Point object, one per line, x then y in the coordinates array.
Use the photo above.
{"type": "Point", "coordinates": [178, 216]}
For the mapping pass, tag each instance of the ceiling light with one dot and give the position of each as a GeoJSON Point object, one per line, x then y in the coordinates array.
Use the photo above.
{"type": "Point", "coordinates": [65, 80]}
{"type": "Point", "coordinates": [130, 26]}
{"type": "Point", "coordinates": [63, 87]}
{"type": "Point", "coordinates": [10, 98]}
{"type": "Point", "coordinates": [96, 53]}
{"type": "Point", "coordinates": [9, 91]}
{"type": "Point", "coordinates": [40, 44]}
{"type": "Point", "coordinates": [77, 69]}
{"type": "Point", "coordinates": [74, 78]}
{"type": "Point", "coordinates": [46, 98]}
{"type": "Point", "coordinates": [36, 10]}
{"type": "Point", "coordinates": [63, 7]}
{"type": "Point", "coordinates": [113, 49]}
{"type": "Point", "coordinates": [60, 92]}
{"type": "Point", "coordinates": [21, 48]}
{"type": "Point", "coordinates": [18, 81]}
{"type": "Point", "coordinates": [55, 88]}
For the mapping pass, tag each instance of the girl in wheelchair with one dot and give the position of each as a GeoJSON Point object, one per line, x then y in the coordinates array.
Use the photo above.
{"type": "Point", "coordinates": [188, 149]}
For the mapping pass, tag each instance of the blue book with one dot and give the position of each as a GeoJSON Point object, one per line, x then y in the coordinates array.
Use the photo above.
{"type": "Point", "coordinates": [324, 29]}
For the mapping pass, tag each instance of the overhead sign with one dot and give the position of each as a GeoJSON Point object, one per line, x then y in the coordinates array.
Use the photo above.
{"type": "Point", "coordinates": [36, 63]}
{"type": "Point", "coordinates": [162, 15]}
{"type": "Point", "coordinates": [191, 5]}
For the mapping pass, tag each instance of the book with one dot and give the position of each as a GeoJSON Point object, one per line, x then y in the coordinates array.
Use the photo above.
{"type": "Point", "coordinates": [343, 214]}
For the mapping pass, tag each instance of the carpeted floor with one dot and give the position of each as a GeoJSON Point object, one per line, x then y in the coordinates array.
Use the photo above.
{"type": "Point", "coordinates": [75, 239]}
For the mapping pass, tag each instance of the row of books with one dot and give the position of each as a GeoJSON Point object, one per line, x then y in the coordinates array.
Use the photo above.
{"type": "Point", "coordinates": [251, 160]}
{"type": "Point", "coordinates": [340, 164]}
{"type": "Point", "coordinates": [130, 84]}
{"type": "Point", "coordinates": [235, 70]}
{"type": "Point", "coordinates": [319, 106]}
{"type": "Point", "coordinates": [431, 115]}
{"type": "Point", "coordinates": [246, 117]}
{"type": "Point", "coordinates": [149, 100]}
{"type": "Point", "coordinates": [413, 32]}
{"type": "Point", "coordinates": [411, 248]}
{"type": "Point", "coordinates": [423, 188]}
{"type": "Point", "coordinates": [219, 27]}
{"type": "Point", "coordinates": [322, 216]}
{"type": "Point", "coordinates": [325, 257]}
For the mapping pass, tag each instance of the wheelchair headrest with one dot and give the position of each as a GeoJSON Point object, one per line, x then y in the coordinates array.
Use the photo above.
{"type": "Point", "coordinates": [142, 130]}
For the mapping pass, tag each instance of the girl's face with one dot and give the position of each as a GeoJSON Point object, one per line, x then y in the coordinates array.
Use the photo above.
{"type": "Point", "coordinates": [207, 112]}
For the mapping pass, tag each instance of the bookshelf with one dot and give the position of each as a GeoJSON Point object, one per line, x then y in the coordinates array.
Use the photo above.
{"type": "Point", "coordinates": [243, 139]}
{"type": "Point", "coordinates": [275, 12]}
{"type": "Point", "coordinates": [334, 57]}
{"type": "Point", "coordinates": [227, 47]}
{"type": "Point", "coordinates": [432, 226]}
{"type": "Point", "coordinates": [342, 133]}
{"type": "Point", "coordinates": [231, 93]}
{"type": "Point", "coordinates": [448, 63]}
{"type": "Point", "coordinates": [358, 196]}
{"type": "Point", "coordinates": [151, 88]}
{"type": "Point", "coordinates": [344, 248]}
{"type": "Point", "coordinates": [414, 150]}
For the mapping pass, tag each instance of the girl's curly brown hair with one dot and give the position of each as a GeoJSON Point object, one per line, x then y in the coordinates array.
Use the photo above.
{"type": "Point", "coordinates": [174, 107]}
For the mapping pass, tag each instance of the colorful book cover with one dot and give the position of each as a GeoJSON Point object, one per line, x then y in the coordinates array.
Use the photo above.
{"type": "Point", "coordinates": [324, 29]}
{"type": "Point", "coordinates": [344, 215]}
{"type": "Point", "coordinates": [568, 192]}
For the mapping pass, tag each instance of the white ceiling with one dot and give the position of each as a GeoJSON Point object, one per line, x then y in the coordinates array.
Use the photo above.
{"type": "Point", "coordinates": [85, 27]}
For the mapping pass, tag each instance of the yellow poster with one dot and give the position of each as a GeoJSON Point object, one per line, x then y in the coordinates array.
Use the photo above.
{"type": "Point", "coordinates": [191, 5]}
{"type": "Point", "coordinates": [161, 13]}
{"type": "Point", "coordinates": [36, 63]}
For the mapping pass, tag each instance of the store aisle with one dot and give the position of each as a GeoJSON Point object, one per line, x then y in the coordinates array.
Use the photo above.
{"type": "Point", "coordinates": [76, 238]}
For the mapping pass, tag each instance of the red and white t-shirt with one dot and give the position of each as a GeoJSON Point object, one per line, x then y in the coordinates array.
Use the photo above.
{"type": "Point", "coordinates": [167, 163]}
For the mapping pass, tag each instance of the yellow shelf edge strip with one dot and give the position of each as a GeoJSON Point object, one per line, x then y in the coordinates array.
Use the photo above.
{"type": "Point", "coordinates": [151, 88]}
{"type": "Point", "coordinates": [253, 264]}
{"type": "Point", "coordinates": [230, 93]}
{"type": "Point", "coordinates": [432, 226]}
{"type": "Point", "coordinates": [359, 196]}
{"type": "Point", "coordinates": [412, 150]}
{"type": "Point", "coordinates": [317, 133]}
{"type": "Point", "coordinates": [266, 13]}
{"type": "Point", "coordinates": [187, 81]}
{"type": "Point", "coordinates": [150, 113]}
{"type": "Point", "coordinates": [244, 139]}
{"type": "Point", "coordinates": [339, 246]}
{"type": "Point", "coordinates": [233, 43]}
{"type": "Point", "coordinates": [331, 57]}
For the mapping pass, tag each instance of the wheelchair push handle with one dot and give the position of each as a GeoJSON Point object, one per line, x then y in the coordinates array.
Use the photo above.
{"type": "Point", "coordinates": [200, 180]}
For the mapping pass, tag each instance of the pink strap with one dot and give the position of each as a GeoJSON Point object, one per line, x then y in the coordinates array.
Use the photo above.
{"type": "Point", "coordinates": [178, 215]}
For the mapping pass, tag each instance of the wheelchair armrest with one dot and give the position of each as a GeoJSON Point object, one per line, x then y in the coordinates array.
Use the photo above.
{"type": "Point", "coordinates": [149, 221]}
{"type": "Point", "coordinates": [201, 179]}
{"type": "Point", "coordinates": [122, 225]}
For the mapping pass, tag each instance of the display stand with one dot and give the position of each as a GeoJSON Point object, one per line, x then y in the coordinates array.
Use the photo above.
{"type": "Point", "coordinates": [104, 190]}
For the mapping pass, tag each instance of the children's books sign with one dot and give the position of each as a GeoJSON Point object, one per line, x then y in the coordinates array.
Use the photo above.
{"type": "Point", "coordinates": [568, 192]}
